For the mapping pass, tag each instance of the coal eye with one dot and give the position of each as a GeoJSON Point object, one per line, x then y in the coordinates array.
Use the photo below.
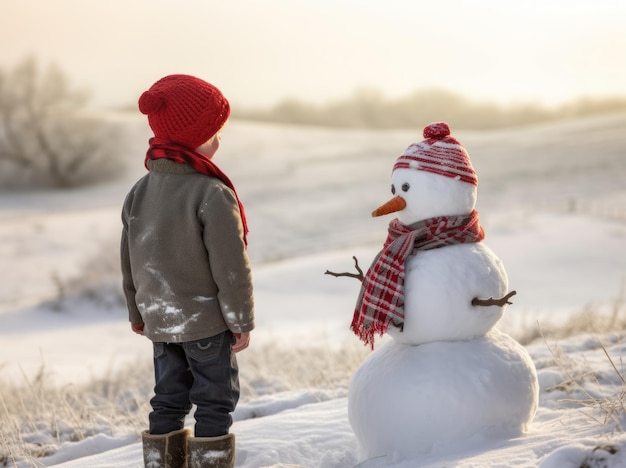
{"type": "Point", "coordinates": [405, 187]}
{"type": "Point", "coordinates": [393, 189]}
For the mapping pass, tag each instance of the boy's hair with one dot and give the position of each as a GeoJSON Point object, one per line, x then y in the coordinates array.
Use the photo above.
{"type": "Point", "coordinates": [184, 109]}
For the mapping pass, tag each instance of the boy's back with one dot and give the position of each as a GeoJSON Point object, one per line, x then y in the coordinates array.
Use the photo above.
{"type": "Point", "coordinates": [186, 259]}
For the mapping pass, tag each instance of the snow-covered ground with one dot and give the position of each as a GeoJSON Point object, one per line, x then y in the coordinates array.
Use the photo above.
{"type": "Point", "coordinates": [552, 200]}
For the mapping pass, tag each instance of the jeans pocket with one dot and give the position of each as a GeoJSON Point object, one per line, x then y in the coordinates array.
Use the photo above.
{"type": "Point", "coordinates": [158, 349]}
{"type": "Point", "coordinates": [206, 349]}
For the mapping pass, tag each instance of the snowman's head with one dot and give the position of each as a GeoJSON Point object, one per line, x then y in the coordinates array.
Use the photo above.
{"type": "Point", "coordinates": [432, 178]}
{"type": "Point", "coordinates": [429, 195]}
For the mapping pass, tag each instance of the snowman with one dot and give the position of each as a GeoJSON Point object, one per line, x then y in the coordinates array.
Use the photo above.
{"type": "Point", "coordinates": [447, 379]}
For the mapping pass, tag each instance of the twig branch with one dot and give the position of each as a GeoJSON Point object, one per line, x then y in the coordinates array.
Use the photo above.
{"type": "Point", "coordinates": [491, 301]}
{"type": "Point", "coordinates": [358, 275]}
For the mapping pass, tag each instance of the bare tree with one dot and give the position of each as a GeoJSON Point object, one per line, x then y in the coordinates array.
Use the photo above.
{"type": "Point", "coordinates": [45, 133]}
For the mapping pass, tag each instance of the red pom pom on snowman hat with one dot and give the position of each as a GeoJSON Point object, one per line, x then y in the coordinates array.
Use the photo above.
{"type": "Point", "coordinates": [439, 154]}
{"type": "Point", "coordinates": [437, 130]}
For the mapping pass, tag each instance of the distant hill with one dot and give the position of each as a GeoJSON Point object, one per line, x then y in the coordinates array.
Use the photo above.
{"type": "Point", "coordinates": [370, 109]}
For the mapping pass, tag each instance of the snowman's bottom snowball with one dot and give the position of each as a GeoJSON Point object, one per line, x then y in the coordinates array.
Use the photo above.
{"type": "Point", "coordinates": [409, 400]}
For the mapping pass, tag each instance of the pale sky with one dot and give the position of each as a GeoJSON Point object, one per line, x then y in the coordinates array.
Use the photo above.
{"type": "Point", "coordinates": [259, 52]}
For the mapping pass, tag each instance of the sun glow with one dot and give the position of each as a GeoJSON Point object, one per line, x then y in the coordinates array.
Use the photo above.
{"type": "Point", "coordinates": [262, 52]}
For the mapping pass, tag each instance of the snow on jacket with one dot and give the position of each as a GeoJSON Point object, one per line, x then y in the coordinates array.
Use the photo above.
{"type": "Point", "coordinates": [186, 273]}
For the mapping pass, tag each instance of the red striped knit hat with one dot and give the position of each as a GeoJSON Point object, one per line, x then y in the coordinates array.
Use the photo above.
{"type": "Point", "coordinates": [184, 109]}
{"type": "Point", "coordinates": [440, 154]}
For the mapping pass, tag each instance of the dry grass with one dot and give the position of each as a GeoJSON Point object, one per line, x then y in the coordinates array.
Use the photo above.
{"type": "Point", "coordinates": [601, 395]}
{"type": "Point", "coordinates": [609, 409]}
{"type": "Point", "coordinates": [604, 410]}
{"type": "Point", "coordinates": [589, 319]}
{"type": "Point", "coordinates": [280, 369]}
{"type": "Point", "coordinates": [37, 417]}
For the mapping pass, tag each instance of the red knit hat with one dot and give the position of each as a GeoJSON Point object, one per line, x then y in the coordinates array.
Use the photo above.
{"type": "Point", "coordinates": [184, 109]}
{"type": "Point", "coordinates": [440, 154]}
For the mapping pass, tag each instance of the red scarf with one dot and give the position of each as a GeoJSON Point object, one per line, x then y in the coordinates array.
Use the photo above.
{"type": "Point", "coordinates": [381, 299]}
{"type": "Point", "coordinates": [160, 148]}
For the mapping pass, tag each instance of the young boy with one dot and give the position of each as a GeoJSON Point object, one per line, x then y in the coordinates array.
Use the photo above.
{"type": "Point", "coordinates": [186, 274]}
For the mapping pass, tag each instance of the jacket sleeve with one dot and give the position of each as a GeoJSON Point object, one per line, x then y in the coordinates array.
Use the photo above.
{"type": "Point", "coordinates": [228, 259]}
{"type": "Point", "coordinates": [128, 285]}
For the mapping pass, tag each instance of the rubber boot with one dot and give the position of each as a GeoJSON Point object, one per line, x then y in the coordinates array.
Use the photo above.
{"type": "Point", "coordinates": [165, 450]}
{"type": "Point", "coordinates": [211, 452]}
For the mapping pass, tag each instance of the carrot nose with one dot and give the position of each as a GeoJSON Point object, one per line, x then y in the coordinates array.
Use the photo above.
{"type": "Point", "coordinates": [397, 203]}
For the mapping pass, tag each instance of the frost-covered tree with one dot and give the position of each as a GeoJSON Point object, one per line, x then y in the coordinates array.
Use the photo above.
{"type": "Point", "coordinates": [46, 137]}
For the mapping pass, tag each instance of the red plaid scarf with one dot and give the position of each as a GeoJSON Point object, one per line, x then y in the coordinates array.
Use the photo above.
{"type": "Point", "coordinates": [160, 148]}
{"type": "Point", "coordinates": [381, 299]}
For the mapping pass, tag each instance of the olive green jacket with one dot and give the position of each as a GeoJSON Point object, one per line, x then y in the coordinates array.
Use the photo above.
{"type": "Point", "coordinates": [186, 273]}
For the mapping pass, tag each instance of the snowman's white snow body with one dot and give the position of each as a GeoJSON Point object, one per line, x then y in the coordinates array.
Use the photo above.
{"type": "Point", "coordinates": [447, 377]}
{"type": "Point", "coordinates": [406, 400]}
{"type": "Point", "coordinates": [440, 284]}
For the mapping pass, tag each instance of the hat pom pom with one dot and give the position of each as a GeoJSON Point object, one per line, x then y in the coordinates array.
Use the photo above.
{"type": "Point", "coordinates": [149, 103]}
{"type": "Point", "coordinates": [437, 130]}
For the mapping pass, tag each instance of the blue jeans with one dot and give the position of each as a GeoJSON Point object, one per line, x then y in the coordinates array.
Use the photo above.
{"type": "Point", "coordinates": [202, 372]}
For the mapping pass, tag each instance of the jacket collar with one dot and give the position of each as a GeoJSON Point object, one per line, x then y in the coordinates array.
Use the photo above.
{"type": "Point", "coordinates": [167, 166]}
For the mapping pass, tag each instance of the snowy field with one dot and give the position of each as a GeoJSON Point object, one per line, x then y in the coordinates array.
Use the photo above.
{"type": "Point", "coordinates": [552, 199]}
